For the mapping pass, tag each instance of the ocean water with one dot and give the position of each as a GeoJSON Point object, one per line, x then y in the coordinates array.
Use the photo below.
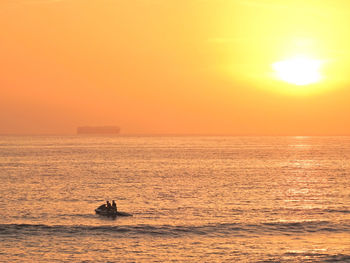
{"type": "Point", "coordinates": [199, 199]}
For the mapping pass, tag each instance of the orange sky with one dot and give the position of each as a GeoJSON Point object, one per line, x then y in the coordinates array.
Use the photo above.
{"type": "Point", "coordinates": [172, 66]}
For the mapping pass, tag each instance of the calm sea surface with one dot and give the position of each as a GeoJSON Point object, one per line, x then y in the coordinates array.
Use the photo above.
{"type": "Point", "coordinates": [199, 199]}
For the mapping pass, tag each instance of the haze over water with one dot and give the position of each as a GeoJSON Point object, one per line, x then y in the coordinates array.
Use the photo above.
{"type": "Point", "coordinates": [226, 199]}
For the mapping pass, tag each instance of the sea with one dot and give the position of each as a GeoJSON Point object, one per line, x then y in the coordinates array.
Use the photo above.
{"type": "Point", "coordinates": [193, 199]}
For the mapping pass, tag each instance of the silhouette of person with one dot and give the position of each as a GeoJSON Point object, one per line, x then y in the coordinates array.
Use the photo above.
{"type": "Point", "coordinates": [114, 206]}
{"type": "Point", "coordinates": [109, 207]}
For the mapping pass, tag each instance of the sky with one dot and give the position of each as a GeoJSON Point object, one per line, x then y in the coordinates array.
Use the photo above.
{"type": "Point", "coordinates": [173, 66]}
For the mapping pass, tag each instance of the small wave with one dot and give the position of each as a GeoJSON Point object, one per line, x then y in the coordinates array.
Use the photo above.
{"type": "Point", "coordinates": [308, 257]}
{"type": "Point", "coordinates": [41, 229]}
{"type": "Point", "coordinates": [306, 227]}
{"type": "Point", "coordinates": [341, 211]}
{"type": "Point", "coordinates": [269, 228]}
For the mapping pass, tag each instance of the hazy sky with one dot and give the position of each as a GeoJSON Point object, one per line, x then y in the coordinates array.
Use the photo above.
{"type": "Point", "coordinates": [172, 66]}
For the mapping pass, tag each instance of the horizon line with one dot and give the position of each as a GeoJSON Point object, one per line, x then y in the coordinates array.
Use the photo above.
{"type": "Point", "coordinates": [175, 134]}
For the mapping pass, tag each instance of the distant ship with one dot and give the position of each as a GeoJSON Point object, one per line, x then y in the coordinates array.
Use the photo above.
{"type": "Point", "coordinates": [98, 130]}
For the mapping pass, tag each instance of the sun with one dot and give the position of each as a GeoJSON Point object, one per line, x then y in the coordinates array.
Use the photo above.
{"type": "Point", "coordinates": [299, 71]}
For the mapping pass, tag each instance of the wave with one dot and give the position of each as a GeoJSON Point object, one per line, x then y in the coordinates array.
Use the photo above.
{"type": "Point", "coordinates": [308, 257]}
{"type": "Point", "coordinates": [269, 228]}
{"type": "Point", "coordinates": [341, 211]}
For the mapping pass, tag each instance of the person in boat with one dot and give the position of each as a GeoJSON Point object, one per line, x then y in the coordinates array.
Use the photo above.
{"type": "Point", "coordinates": [109, 207]}
{"type": "Point", "coordinates": [114, 206]}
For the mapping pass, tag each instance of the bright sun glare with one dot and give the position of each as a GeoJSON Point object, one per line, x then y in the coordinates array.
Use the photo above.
{"type": "Point", "coordinates": [299, 70]}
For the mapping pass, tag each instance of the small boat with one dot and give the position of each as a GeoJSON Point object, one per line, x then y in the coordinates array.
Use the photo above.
{"type": "Point", "coordinates": [103, 211]}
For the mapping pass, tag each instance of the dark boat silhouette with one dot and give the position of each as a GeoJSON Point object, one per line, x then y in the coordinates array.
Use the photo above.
{"type": "Point", "coordinates": [104, 211]}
